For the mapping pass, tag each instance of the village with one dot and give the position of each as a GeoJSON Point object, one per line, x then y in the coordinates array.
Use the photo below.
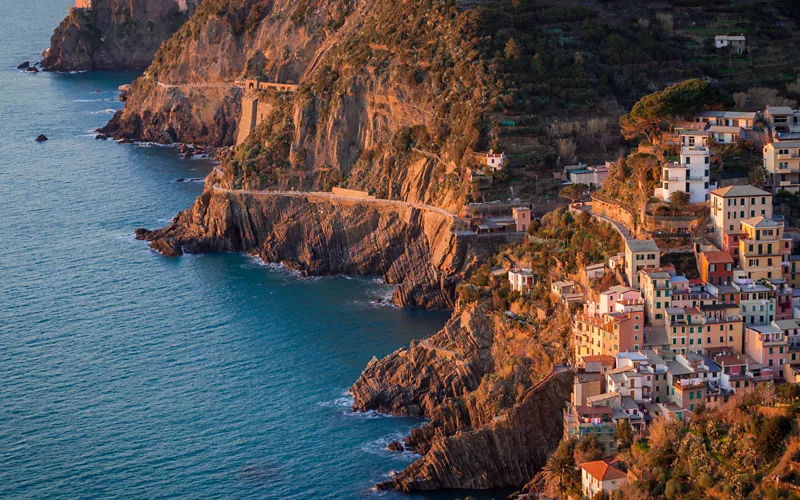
{"type": "Point", "coordinates": [662, 344]}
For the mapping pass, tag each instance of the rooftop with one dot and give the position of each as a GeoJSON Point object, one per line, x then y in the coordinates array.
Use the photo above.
{"type": "Point", "coordinates": [736, 191]}
{"type": "Point", "coordinates": [603, 470]}
{"type": "Point", "coordinates": [641, 245]}
{"type": "Point", "coordinates": [723, 129]}
{"type": "Point", "coordinates": [779, 110]}
{"type": "Point", "coordinates": [760, 221]}
{"type": "Point", "coordinates": [604, 359]}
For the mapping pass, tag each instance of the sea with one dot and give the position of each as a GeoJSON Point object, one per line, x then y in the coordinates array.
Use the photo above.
{"type": "Point", "coordinates": [125, 374]}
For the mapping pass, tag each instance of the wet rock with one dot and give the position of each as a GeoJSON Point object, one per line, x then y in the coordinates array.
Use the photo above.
{"type": "Point", "coordinates": [101, 137]}
{"type": "Point", "coordinates": [395, 446]}
{"type": "Point", "coordinates": [41, 138]}
{"type": "Point", "coordinates": [24, 65]}
{"type": "Point", "coordinates": [32, 69]}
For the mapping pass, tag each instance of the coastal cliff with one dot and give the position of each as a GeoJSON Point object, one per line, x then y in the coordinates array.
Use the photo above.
{"type": "Point", "coordinates": [113, 34]}
{"type": "Point", "coordinates": [317, 235]}
{"type": "Point", "coordinates": [485, 383]}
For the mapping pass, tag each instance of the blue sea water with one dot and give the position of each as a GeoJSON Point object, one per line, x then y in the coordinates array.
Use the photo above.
{"type": "Point", "coordinates": [127, 374]}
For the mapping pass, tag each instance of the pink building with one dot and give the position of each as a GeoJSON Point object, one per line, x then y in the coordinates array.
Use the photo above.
{"type": "Point", "coordinates": [767, 345]}
{"type": "Point", "coordinates": [522, 217]}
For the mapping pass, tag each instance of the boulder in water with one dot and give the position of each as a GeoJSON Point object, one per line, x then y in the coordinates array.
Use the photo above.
{"type": "Point", "coordinates": [395, 446]}
{"type": "Point", "coordinates": [24, 65]}
{"type": "Point", "coordinates": [41, 138]}
{"type": "Point", "coordinates": [31, 69]}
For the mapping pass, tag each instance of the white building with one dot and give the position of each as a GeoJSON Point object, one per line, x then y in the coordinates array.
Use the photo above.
{"type": "Point", "coordinates": [592, 176]}
{"type": "Point", "coordinates": [495, 161]}
{"type": "Point", "coordinates": [521, 279]}
{"type": "Point", "coordinates": [724, 134]}
{"type": "Point", "coordinates": [735, 42]}
{"type": "Point", "coordinates": [601, 476]}
{"type": "Point", "coordinates": [744, 119]}
{"type": "Point", "coordinates": [595, 271]}
{"type": "Point", "coordinates": [782, 119]}
{"type": "Point", "coordinates": [691, 175]}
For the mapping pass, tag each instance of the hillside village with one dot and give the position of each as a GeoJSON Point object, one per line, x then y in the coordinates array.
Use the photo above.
{"type": "Point", "coordinates": [655, 340]}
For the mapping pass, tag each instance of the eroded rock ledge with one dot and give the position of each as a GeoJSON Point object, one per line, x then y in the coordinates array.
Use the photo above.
{"type": "Point", "coordinates": [479, 435]}
{"type": "Point", "coordinates": [412, 248]}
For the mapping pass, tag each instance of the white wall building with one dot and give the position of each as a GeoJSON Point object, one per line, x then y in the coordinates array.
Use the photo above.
{"type": "Point", "coordinates": [495, 161]}
{"type": "Point", "coordinates": [521, 279]}
{"type": "Point", "coordinates": [691, 175]}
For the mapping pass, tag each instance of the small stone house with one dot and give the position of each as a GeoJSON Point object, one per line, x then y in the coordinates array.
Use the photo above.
{"type": "Point", "coordinates": [736, 43]}
{"type": "Point", "coordinates": [495, 161]}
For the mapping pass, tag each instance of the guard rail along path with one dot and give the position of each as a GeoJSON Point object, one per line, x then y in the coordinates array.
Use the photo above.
{"type": "Point", "coordinates": [331, 196]}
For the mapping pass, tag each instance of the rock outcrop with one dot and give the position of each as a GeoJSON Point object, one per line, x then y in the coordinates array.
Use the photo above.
{"type": "Point", "coordinates": [413, 248]}
{"type": "Point", "coordinates": [113, 34]}
{"type": "Point", "coordinates": [486, 385]}
{"type": "Point", "coordinates": [506, 452]}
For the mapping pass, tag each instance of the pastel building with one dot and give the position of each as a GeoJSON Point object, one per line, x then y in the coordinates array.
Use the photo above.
{"type": "Point", "coordinates": [695, 329]}
{"type": "Point", "coordinates": [782, 163]}
{"type": "Point", "coordinates": [731, 205]}
{"type": "Point", "coordinates": [782, 119]}
{"type": "Point", "coordinates": [495, 161]}
{"type": "Point", "coordinates": [767, 345]}
{"type": "Point", "coordinates": [756, 302]}
{"type": "Point", "coordinates": [763, 250]}
{"type": "Point", "coordinates": [743, 119]}
{"type": "Point", "coordinates": [640, 254]}
{"type": "Point", "coordinates": [601, 476]}
{"type": "Point", "coordinates": [655, 287]}
{"type": "Point", "coordinates": [690, 175]}
{"type": "Point", "coordinates": [611, 333]}
{"type": "Point", "coordinates": [522, 218]}
{"type": "Point", "coordinates": [716, 267]}
{"type": "Point", "coordinates": [521, 280]}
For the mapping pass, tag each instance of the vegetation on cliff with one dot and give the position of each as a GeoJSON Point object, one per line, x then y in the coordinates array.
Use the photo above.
{"type": "Point", "coordinates": [748, 449]}
{"type": "Point", "coordinates": [113, 34]}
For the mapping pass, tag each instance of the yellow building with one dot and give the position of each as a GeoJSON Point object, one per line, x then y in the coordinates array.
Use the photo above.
{"type": "Point", "coordinates": [763, 251]}
{"type": "Point", "coordinates": [640, 254]}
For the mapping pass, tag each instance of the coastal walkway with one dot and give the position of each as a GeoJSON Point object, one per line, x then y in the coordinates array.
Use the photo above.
{"type": "Point", "coordinates": [334, 197]}
{"type": "Point", "coordinates": [621, 229]}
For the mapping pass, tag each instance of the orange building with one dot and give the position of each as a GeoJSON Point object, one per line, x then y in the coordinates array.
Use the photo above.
{"type": "Point", "coordinates": [619, 331]}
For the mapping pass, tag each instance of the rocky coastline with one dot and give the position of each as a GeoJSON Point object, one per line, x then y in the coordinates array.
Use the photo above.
{"type": "Point", "coordinates": [113, 35]}
{"type": "Point", "coordinates": [400, 138]}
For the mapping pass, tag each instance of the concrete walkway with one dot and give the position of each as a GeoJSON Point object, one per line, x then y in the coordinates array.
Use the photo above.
{"type": "Point", "coordinates": [331, 196]}
{"type": "Point", "coordinates": [621, 229]}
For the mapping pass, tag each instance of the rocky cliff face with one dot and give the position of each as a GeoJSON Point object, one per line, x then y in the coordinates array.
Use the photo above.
{"type": "Point", "coordinates": [379, 105]}
{"type": "Point", "coordinates": [413, 248]}
{"type": "Point", "coordinates": [495, 413]}
{"type": "Point", "coordinates": [113, 34]}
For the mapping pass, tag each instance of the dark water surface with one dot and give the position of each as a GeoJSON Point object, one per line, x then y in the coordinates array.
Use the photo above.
{"type": "Point", "coordinates": [126, 374]}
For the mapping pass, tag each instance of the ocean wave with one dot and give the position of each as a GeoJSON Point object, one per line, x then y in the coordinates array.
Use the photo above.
{"type": "Point", "coordinates": [108, 111]}
{"type": "Point", "coordinates": [105, 99]}
{"type": "Point", "coordinates": [378, 447]}
{"type": "Point", "coordinates": [345, 400]}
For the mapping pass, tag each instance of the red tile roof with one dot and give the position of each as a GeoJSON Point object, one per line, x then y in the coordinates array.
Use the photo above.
{"type": "Point", "coordinates": [718, 257]}
{"type": "Point", "coordinates": [603, 470]}
{"type": "Point", "coordinates": [602, 358]}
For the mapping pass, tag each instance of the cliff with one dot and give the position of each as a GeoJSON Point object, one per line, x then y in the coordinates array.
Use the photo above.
{"type": "Point", "coordinates": [317, 235]}
{"type": "Point", "coordinates": [113, 34]}
{"type": "Point", "coordinates": [371, 111]}
{"type": "Point", "coordinates": [484, 382]}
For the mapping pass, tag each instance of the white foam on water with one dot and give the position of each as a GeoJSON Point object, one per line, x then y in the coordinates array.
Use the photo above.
{"type": "Point", "coordinates": [378, 447]}
{"type": "Point", "coordinates": [108, 111]}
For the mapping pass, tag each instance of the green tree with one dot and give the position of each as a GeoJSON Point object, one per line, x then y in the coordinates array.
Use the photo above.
{"type": "Point", "coordinates": [573, 192]}
{"type": "Point", "coordinates": [559, 472]}
{"type": "Point", "coordinates": [623, 434]}
{"type": "Point", "coordinates": [652, 112]}
{"type": "Point", "coordinates": [679, 198]}
{"type": "Point", "coordinates": [589, 449]}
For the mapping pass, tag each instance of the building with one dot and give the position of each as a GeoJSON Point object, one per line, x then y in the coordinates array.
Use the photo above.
{"type": "Point", "coordinates": [521, 280]}
{"type": "Point", "coordinates": [595, 271]}
{"type": "Point", "coordinates": [592, 176]}
{"type": "Point", "coordinates": [736, 43]}
{"type": "Point", "coordinates": [689, 175]}
{"type": "Point", "coordinates": [586, 385]}
{"type": "Point", "coordinates": [782, 163]}
{"type": "Point", "coordinates": [716, 268]}
{"type": "Point", "coordinates": [730, 205]}
{"type": "Point", "coordinates": [741, 373]}
{"type": "Point", "coordinates": [756, 302]}
{"type": "Point", "coordinates": [763, 250]}
{"type": "Point", "coordinates": [561, 288]}
{"type": "Point", "coordinates": [611, 333]}
{"type": "Point", "coordinates": [743, 119]}
{"type": "Point", "coordinates": [584, 420]}
{"type": "Point", "coordinates": [601, 476]}
{"type": "Point", "coordinates": [782, 119]}
{"type": "Point", "coordinates": [601, 364]}
{"type": "Point", "coordinates": [695, 329]}
{"type": "Point", "coordinates": [640, 254]}
{"type": "Point", "coordinates": [692, 138]}
{"type": "Point", "coordinates": [522, 217]}
{"type": "Point", "coordinates": [655, 287]}
{"type": "Point", "coordinates": [609, 299]}
{"type": "Point", "coordinates": [725, 135]}
{"type": "Point", "coordinates": [495, 161]}
{"type": "Point", "coordinates": [767, 345]}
